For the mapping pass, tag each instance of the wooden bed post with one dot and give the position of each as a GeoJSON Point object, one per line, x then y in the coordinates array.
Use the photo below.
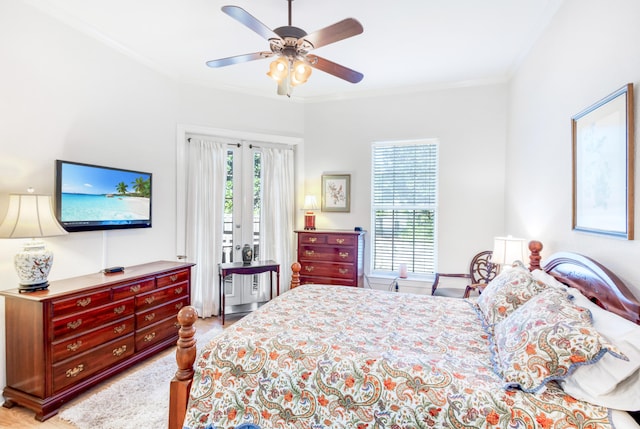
{"type": "Point", "coordinates": [295, 275]}
{"type": "Point", "coordinates": [534, 258]}
{"type": "Point", "coordinates": [185, 357]}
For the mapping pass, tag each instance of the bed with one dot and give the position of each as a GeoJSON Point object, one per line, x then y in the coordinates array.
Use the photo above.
{"type": "Point", "coordinates": [338, 357]}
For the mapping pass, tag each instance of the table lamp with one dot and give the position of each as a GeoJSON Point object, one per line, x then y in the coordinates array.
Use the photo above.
{"type": "Point", "coordinates": [310, 204]}
{"type": "Point", "coordinates": [507, 250]}
{"type": "Point", "coordinates": [31, 216]}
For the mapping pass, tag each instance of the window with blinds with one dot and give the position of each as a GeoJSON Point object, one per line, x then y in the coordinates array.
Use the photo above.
{"type": "Point", "coordinates": [404, 205]}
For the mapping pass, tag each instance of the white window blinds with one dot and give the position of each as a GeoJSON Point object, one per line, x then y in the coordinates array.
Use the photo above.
{"type": "Point", "coordinates": [404, 209]}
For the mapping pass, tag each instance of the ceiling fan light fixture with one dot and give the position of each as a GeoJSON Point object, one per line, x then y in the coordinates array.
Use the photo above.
{"type": "Point", "coordinates": [301, 73]}
{"type": "Point", "coordinates": [278, 69]}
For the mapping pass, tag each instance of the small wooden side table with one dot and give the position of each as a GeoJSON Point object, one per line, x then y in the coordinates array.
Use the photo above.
{"type": "Point", "coordinates": [256, 267]}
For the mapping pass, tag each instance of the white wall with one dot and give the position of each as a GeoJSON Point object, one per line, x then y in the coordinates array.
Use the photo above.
{"type": "Point", "coordinates": [471, 126]}
{"type": "Point", "coordinates": [66, 96]}
{"type": "Point", "coordinates": [589, 50]}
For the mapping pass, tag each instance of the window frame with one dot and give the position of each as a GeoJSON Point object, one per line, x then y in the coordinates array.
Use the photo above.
{"type": "Point", "coordinates": [434, 207]}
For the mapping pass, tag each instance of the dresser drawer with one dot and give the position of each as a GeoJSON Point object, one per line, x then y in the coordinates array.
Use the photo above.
{"type": "Point", "coordinates": [73, 370]}
{"type": "Point", "coordinates": [156, 333]}
{"type": "Point", "coordinates": [308, 280]}
{"type": "Point", "coordinates": [132, 289]}
{"type": "Point", "coordinates": [157, 314]}
{"type": "Point", "coordinates": [81, 302]}
{"type": "Point", "coordinates": [176, 277]}
{"type": "Point", "coordinates": [76, 345]}
{"type": "Point", "coordinates": [328, 253]}
{"type": "Point", "coordinates": [325, 269]}
{"type": "Point", "coordinates": [310, 238]}
{"type": "Point", "coordinates": [90, 319]}
{"type": "Point", "coordinates": [160, 296]}
{"type": "Point", "coordinates": [341, 239]}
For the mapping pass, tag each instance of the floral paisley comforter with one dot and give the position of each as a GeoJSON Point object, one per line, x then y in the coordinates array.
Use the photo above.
{"type": "Point", "coordinates": [339, 357]}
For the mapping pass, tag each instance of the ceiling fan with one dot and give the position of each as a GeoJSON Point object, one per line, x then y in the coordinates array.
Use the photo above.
{"type": "Point", "coordinates": [291, 45]}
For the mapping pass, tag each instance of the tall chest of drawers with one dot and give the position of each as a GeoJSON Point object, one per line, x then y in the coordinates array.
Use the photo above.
{"type": "Point", "coordinates": [333, 257]}
{"type": "Point", "coordinates": [80, 331]}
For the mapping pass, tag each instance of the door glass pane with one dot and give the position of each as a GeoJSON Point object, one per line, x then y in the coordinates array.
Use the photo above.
{"type": "Point", "coordinates": [227, 230]}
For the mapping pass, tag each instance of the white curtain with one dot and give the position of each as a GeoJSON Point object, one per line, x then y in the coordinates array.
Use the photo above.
{"type": "Point", "coordinates": [276, 241]}
{"type": "Point", "coordinates": [205, 184]}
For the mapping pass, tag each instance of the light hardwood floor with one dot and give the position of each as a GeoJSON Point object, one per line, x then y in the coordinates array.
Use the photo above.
{"type": "Point", "coordinates": [23, 418]}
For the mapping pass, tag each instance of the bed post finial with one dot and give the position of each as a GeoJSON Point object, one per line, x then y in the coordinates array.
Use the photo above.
{"type": "Point", "coordinates": [295, 275]}
{"type": "Point", "coordinates": [185, 357]}
{"type": "Point", "coordinates": [534, 258]}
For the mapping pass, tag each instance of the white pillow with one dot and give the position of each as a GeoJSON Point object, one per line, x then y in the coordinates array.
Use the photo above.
{"type": "Point", "coordinates": [548, 279]}
{"type": "Point", "coordinates": [610, 382]}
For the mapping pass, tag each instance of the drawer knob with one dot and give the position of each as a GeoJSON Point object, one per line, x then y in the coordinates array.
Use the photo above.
{"type": "Point", "coordinates": [343, 255]}
{"type": "Point", "coordinates": [309, 252]}
{"type": "Point", "coordinates": [74, 346]}
{"type": "Point", "coordinates": [340, 240]}
{"type": "Point", "coordinates": [343, 270]}
{"type": "Point", "coordinates": [120, 351]}
{"type": "Point", "coordinates": [313, 239]}
{"type": "Point", "coordinates": [75, 324]}
{"type": "Point", "coordinates": [134, 289]}
{"type": "Point", "coordinates": [177, 291]}
{"type": "Point", "coordinates": [119, 329]}
{"type": "Point", "coordinates": [149, 337]}
{"type": "Point", "coordinates": [150, 317]}
{"type": "Point", "coordinates": [149, 300]}
{"type": "Point", "coordinates": [308, 268]}
{"type": "Point", "coordinates": [179, 305]}
{"type": "Point", "coordinates": [75, 371]}
{"type": "Point", "coordinates": [174, 277]}
{"type": "Point", "coordinates": [83, 302]}
{"type": "Point", "coordinates": [120, 310]}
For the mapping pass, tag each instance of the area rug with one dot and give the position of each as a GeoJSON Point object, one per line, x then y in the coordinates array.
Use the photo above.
{"type": "Point", "coordinates": [139, 400]}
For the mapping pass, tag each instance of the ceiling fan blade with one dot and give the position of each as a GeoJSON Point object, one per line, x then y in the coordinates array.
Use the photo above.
{"type": "Point", "coordinates": [238, 59]}
{"type": "Point", "coordinates": [335, 69]}
{"type": "Point", "coordinates": [248, 20]}
{"type": "Point", "coordinates": [339, 31]}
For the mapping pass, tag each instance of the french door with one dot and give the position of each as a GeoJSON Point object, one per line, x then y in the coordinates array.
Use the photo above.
{"type": "Point", "coordinates": [243, 224]}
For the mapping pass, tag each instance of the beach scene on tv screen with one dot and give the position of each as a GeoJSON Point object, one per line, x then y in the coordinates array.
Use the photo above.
{"type": "Point", "coordinates": [98, 194]}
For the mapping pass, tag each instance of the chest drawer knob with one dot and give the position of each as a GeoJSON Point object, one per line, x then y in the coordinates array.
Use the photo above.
{"type": "Point", "coordinates": [174, 277]}
{"type": "Point", "coordinates": [74, 346]}
{"type": "Point", "coordinates": [340, 240]}
{"type": "Point", "coordinates": [73, 372]}
{"type": "Point", "coordinates": [149, 300]}
{"type": "Point", "coordinates": [149, 317]}
{"type": "Point", "coordinates": [149, 337]}
{"type": "Point", "coordinates": [308, 268]}
{"type": "Point", "coordinates": [134, 289]}
{"type": "Point", "coordinates": [120, 351]}
{"type": "Point", "coordinates": [75, 324]}
{"type": "Point", "coordinates": [177, 291]}
{"type": "Point", "coordinates": [119, 329]}
{"type": "Point", "coordinates": [120, 310]}
{"type": "Point", "coordinates": [179, 305]}
{"type": "Point", "coordinates": [312, 239]}
{"type": "Point", "coordinates": [343, 255]}
{"type": "Point", "coordinates": [309, 252]}
{"type": "Point", "coordinates": [343, 270]}
{"type": "Point", "coordinates": [83, 302]}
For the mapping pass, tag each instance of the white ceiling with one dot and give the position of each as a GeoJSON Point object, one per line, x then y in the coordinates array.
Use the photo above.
{"type": "Point", "coordinates": [406, 44]}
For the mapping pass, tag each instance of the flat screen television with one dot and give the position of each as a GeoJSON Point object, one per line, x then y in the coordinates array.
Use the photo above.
{"type": "Point", "coordinates": [92, 197]}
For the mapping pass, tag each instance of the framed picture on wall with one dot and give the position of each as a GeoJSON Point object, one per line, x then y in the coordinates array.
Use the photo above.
{"type": "Point", "coordinates": [603, 165]}
{"type": "Point", "coordinates": [336, 190]}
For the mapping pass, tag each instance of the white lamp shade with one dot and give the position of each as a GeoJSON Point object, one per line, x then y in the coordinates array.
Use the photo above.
{"type": "Point", "coordinates": [506, 250]}
{"type": "Point", "coordinates": [310, 203]}
{"type": "Point", "coordinates": [30, 216]}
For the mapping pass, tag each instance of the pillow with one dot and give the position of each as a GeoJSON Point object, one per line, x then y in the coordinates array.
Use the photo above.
{"type": "Point", "coordinates": [548, 279]}
{"type": "Point", "coordinates": [546, 339]}
{"type": "Point", "coordinates": [506, 292]}
{"type": "Point", "coordinates": [610, 382]}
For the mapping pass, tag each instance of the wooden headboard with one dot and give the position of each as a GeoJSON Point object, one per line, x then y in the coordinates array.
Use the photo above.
{"type": "Point", "coordinates": [595, 282]}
